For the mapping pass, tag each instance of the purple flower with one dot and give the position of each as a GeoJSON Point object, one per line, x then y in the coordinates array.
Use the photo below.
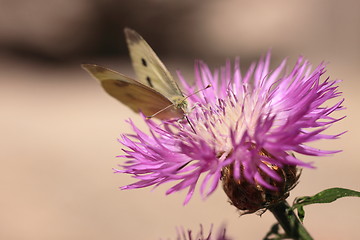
{"type": "Point", "coordinates": [188, 235]}
{"type": "Point", "coordinates": [252, 121]}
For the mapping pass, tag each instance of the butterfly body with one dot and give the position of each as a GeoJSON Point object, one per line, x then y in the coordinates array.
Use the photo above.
{"type": "Point", "coordinates": [155, 93]}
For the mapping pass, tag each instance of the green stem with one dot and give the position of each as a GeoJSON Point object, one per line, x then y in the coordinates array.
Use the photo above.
{"type": "Point", "coordinates": [290, 222]}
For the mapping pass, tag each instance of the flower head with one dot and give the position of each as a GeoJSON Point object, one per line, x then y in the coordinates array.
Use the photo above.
{"type": "Point", "coordinates": [254, 122]}
{"type": "Point", "coordinates": [188, 235]}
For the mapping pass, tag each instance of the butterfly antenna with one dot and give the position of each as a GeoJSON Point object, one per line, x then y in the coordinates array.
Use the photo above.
{"type": "Point", "coordinates": [208, 86]}
{"type": "Point", "coordinates": [196, 92]}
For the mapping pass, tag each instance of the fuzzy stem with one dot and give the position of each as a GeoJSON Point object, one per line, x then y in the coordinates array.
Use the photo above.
{"type": "Point", "coordinates": [290, 222]}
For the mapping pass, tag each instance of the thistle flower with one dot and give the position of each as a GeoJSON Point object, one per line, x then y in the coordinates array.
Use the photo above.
{"type": "Point", "coordinates": [188, 235]}
{"type": "Point", "coordinates": [253, 124]}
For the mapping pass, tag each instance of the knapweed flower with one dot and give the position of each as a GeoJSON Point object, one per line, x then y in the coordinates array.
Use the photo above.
{"type": "Point", "coordinates": [247, 128]}
{"type": "Point", "coordinates": [188, 235]}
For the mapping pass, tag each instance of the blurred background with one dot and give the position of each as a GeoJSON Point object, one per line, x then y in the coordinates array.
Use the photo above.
{"type": "Point", "coordinates": [59, 129]}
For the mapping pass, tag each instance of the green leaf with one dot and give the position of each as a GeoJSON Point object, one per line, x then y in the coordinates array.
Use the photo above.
{"type": "Point", "coordinates": [301, 213]}
{"type": "Point", "coordinates": [326, 196]}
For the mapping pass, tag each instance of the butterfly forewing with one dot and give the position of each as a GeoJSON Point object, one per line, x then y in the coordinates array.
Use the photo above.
{"type": "Point", "coordinates": [149, 69]}
{"type": "Point", "coordinates": [134, 94]}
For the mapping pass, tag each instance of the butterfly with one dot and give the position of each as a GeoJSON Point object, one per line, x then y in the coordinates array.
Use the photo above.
{"type": "Point", "coordinates": [155, 93]}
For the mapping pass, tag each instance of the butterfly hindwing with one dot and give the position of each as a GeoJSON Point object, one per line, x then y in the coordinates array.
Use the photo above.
{"type": "Point", "coordinates": [134, 94]}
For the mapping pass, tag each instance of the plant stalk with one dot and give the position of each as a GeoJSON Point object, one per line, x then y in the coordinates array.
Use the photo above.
{"type": "Point", "coordinates": [290, 222]}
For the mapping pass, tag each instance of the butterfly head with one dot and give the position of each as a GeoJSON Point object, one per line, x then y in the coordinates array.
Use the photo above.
{"type": "Point", "coordinates": [180, 102]}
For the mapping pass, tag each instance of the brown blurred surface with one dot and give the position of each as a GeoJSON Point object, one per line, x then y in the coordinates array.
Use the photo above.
{"type": "Point", "coordinates": [59, 129]}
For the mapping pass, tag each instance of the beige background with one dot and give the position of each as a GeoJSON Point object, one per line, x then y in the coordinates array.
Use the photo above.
{"type": "Point", "coordinates": [59, 129]}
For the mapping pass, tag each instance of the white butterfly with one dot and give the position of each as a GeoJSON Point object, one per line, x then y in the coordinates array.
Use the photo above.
{"type": "Point", "coordinates": [155, 93]}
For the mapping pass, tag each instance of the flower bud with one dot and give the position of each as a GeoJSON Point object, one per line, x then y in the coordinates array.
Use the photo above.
{"type": "Point", "coordinates": [250, 197]}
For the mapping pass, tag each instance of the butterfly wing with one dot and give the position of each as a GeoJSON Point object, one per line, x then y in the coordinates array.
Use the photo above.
{"type": "Point", "coordinates": [135, 95]}
{"type": "Point", "coordinates": [149, 69]}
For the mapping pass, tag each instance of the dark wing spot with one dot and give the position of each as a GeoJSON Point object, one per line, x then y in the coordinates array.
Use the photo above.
{"type": "Point", "coordinates": [149, 82]}
{"type": "Point", "coordinates": [143, 61]}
